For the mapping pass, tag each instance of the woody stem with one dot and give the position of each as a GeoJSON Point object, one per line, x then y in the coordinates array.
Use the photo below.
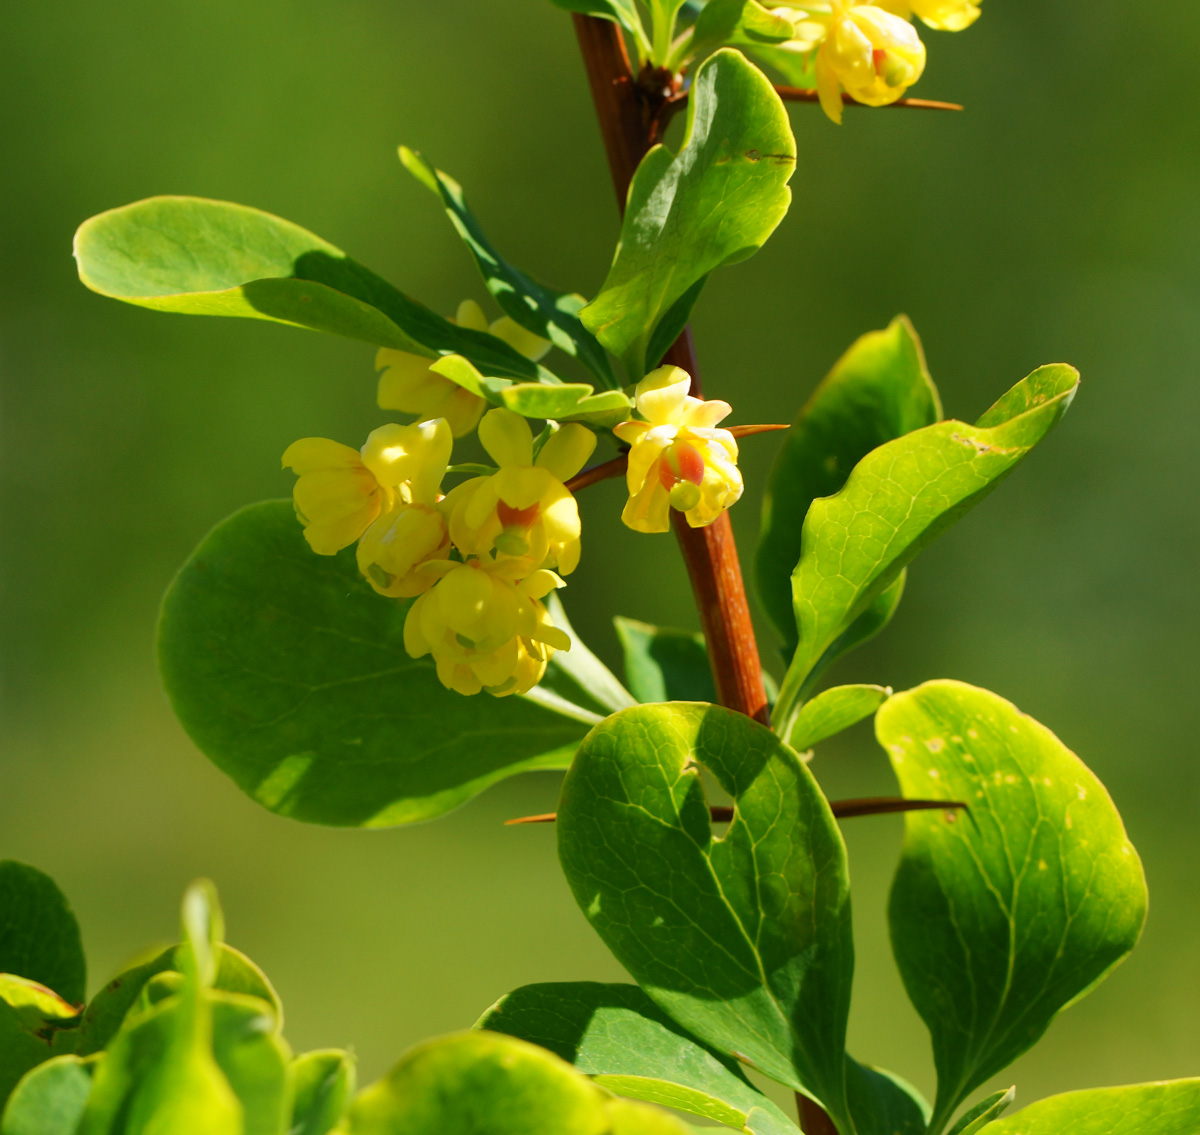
{"type": "Point", "coordinates": [630, 123]}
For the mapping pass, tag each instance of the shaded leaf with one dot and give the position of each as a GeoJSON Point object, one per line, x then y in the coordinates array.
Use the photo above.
{"type": "Point", "coordinates": [882, 1103]}
{"type": "Point", "coordinates": [323, 1088]}
{"type": "Point", "coordinates": [618, 1035]}
{"type": "Point", "coordinates": [1003, 917]}
{"type": "Point", "coordinates": [975, 1119]}
{"type": "Point", "coordinates": [899, 498]}
{"type": "Point", "coordinates": [39, 937]}
{"type": "Point", "coordinates": [833, 711]}
{"type": "Point", "coordinates": [550, 314]}
{"type": "Point", "coordinates": [202, 257]}
{"type": "Point", "coordinates": [290, 673]}
{"type": "Point", "coordinates": [662, 664]}
{"type": "Point", "coordinates": [1170, 1107]}
{"type": "Point", "coordinates": [877, 391]}
{"type": "Point", "coordinates": [715, 203]}
{"type": "Point", "coordinates": [578, 675]}
{"type": "Point", "coordinates": [744, 939]}
{"type": "Point", "coordinates": [50, 1099]}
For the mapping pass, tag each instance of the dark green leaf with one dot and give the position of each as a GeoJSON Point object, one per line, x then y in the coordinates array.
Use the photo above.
{"type": "Point", "coordinates": [623, 12]}
{"type": "Point", "coordinates": [290, 673]}
{"type": "Point", "coordinates": [189, 254]}
{"type": "Point", "coordinates": [881, 1103]}
{"type": "Point", "coordinates": [715, 203]}
{"type": "Point", "coordinates": [833, 711]}
{"type": "Point", "coordinates": [324, 1086]}
{"type": "Point", "coordinates": [479, 1084]}
{"type": "Point", "coordinates": [617, 1034]}
{"type": "Point", "coordinates": [1003, 916]}
{"type": "Point", "coordinates": [50, 1099]}
{"type": "Point", "coordinates": [744, 939]}
{"type": "Point", "coordinates": [550, 314]}
{"type": "Point", "coordinates": [39, 937]}
{"type": "Point", "coordinates": [662, 664]}
{"type": "Point", "coordinates": [975, 1119]}
{"type": "Point", "coordinates": [32, 1029]}
{"type": "Point", "coordinates": [878, 390]}
{"type": "Point", "coordinates": [899, 498]}
{"type": "Point", "coordinates": [578, 675]}
{"type": "Point", "coordinates": [1170, 1107]}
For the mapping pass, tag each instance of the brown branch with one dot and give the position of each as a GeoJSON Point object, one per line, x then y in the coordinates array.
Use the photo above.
{"type": "Point", "coordinates": [805, 94]}
{"type": "Point", "coordinates": [841, 809]}
{"type": "Point", "coordinates": [813, 1120]}
{"type": "Point", "coordinates": [597, 473]}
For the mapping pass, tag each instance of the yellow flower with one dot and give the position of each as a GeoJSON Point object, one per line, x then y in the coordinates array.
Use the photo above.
{"type": "Point", "coordinates": [407, 384]}
{"type": "Point", "coordinates": [340, 491]}
{"type": "Point", "coordinates": [524, 512]}
{"type": "Point", "coordinates": [875, 55]}
{"type": "Point", "coordinates": [943, 15]}
{"type": "Point", "coordinates": [394, 549]}
{"type": "Point", "coordinates": [677, 459]}
{"type": "Point", "coordinates": [485, 630]}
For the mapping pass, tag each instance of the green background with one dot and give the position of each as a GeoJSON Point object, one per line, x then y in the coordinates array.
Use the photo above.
{"type": "Point", "coordinates": [1055, 220]}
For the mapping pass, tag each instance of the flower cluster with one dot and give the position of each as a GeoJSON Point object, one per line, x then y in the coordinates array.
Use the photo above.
{"type": "Point", "coordinates": [477, 560]}
{"type": "Point", "coordinates": [872, 52]}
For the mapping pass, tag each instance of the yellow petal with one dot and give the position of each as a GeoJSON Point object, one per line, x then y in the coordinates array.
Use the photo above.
{"type": "Point", "coordinates": [403, 380]}
{"type": "Point", "coordinates": [470, 315]}
{"type": "Point", "coordinates": [312, 453]}
{"type": "Point", "coordinates": [524, 342]}
{"type": "Point", "coordinates": [521, 487]}
{"type": "Point", "coordinates": [415, 641]}
{"type": "Point", "coordinates": [648, 510]}
{"type": "Point", "coordinates": [541, 583]}
{"type": "Point", "coordinates": [507, 437]}
{"type": "Point", "coordinates": [662, 395]}
{"type": "Point", "coordinates": [829, 91]}
{"type": "Point", "coordinates": [567, 451]}
{"type": "Point", "coordinates": [705, 415]}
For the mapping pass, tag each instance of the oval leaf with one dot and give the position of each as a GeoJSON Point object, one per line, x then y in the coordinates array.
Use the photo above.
{"type": "Point", "coordinates": [1170, 1107]}
{"type": "Point", "coordinates": [324, 1086]}
{"type": "Point", "coordinates": [290, 674]}
{"type": "Point", "coordinates": [899, 498]}
{"type": "Point", "coordinates": [715, 203]}
{"type": "Point", "coordinates": [878, 390]}
{"type": "Point", "coordinates": [1002, 917]}
{"type": "Point", "coordinates": [744, 939]}
{"type": "Point", "coordinates": [39, 937]}
{"type": "Point", "coordinates": [50, 1099]}
{"type": "Point", "coordinates": [833, 711]}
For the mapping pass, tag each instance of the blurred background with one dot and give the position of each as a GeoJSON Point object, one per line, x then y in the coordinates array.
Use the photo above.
{"type": "Point", "coordinates": [1055, 220]}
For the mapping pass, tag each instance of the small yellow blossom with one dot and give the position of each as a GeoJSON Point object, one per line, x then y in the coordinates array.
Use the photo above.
{"type": "Point", "coordinates": [875, 55]}
{"type": "Point", "coordinates": [677, 458]}
{"type": "Point", "coordinates": [485, 630]}
{"type": "Point", "coordinates": [524, 512]}
{"type": "Point", "coordinates": [340, 491]}
{"type": "Point", "coordinates": [413, 531]}
{"type": "Point", "coordinates": [407, 384]}
{"type": "Point", "coordinates": [943, 15]}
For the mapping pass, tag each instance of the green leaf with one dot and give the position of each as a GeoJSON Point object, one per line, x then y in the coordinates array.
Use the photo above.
{"type": "Point", "coordinates": [662, 664]}
{"type": "Point", "coordinates": [324, 1086]}
{"type": "Point", "coordinates": [628, 1118]}
{"type": "Point", "coordinates": [833, 711]}
{"type": "Point", "coordinates": [479, 1083]}
{"type": "Point", "coordinates": [255, 1061]}
{"type": "Point", "coordinates": [578, 675]}
{"type": "Point", "coordinates": [899, 498]}
{"type": "Point", "coordinates": [975, 1119]}
{"type": "Point", "coordinates": [568, 401]}
{"type": "Point", "coordinates": [744, 939]}
{"type": "Point", "coordinates": [290, 673]}
{"type": "Point", "coordinates": [1002, 917]}
{"type": "Point", "coordinates": [739, 23]}
{"type": "Point", "coordinates": [50, 1099]}
{"type": "Point", "coordinates": [202, 257]}
{"type": "Point", "coordinates": [795, 68]}
{"type": "Point", "coordinates": [39, 937]}
{"type": "Point", "coordinates": [623, 12]}
{"type": "Point", "coordinates": [550, 314]}
{"type": "Point", "coordinates": [715, 203]}
{"type": "Point", "coordinates": [1169, 1107]}
{"type": "Point", "coordinates": [618, 1035]}
{"type": "Point", "coordinates": [31, 1030]}
{"type": "Point", "coordinates": [882, 1103]}
{"type": "Point", "coordinates": [877, 391]}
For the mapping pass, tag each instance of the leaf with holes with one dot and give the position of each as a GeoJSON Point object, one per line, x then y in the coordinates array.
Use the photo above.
{"type": "Point", "coordinates": [1002, 917]}
{"type": "Point", "coordinates": [745, 939]}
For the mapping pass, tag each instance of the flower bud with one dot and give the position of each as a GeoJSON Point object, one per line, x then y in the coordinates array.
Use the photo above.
{"type": "Point", "coordinates": [874, 54]}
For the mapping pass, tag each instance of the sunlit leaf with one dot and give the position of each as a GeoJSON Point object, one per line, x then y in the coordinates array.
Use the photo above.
{"type": "Point", "coordinates": [1170, 1107]}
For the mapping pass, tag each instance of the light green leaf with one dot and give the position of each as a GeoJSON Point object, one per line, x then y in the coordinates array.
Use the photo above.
{"type": "Point", "coordinates": [1004, 916]}
{"type": "Point", "coordinates": [744, 939]}
{"type": "Point", "coordinates": [50, 1099]}
{"type": "Point", "coordinates": [479, 1083]}
{"type": "Point", "coordinates": [1169, 1107]}
{"type": "Point", "coordinates": [578, 675]}
{"type": "Point", "coordinates": [833, 711]}
{"type": "Point", "coordinates": [566, 402]}
{"type": "Point", "coordinates": [623, 12]}
{"type": "Point", "coordinates": [882, 1103]}
{"type": "Point", "coordinates": [796, 69]}
{"type": "Point", "coordinates": [738, 23]}
{"type": "Point", "coordinates": [550, 314]}
{"type": "Point", "coordinates": [323, 1088]}
{"type": "Point", "coordinates": [290, 673]}
{"type": "Point", "coordinates": [628, 1118]}
{"type": "Point", "coordinates": [618, 1035]}
{"type": "Point", "coordinates": [202, 257]}
{"type": "Point", "coordinates": [877, 391]}
{"type": "Point", "coordinates": [255, 1061]}
{"type": "Point", "coordinates": [39, 937]}
{"type": "Point", "coordinates": [662, 664]}
{"type": "Point", "coordinates": [975, 1119]}
{"type": "Point", "coordinates": [715, 203]}
{"type": "Point", "coordinates": [899, 498]}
